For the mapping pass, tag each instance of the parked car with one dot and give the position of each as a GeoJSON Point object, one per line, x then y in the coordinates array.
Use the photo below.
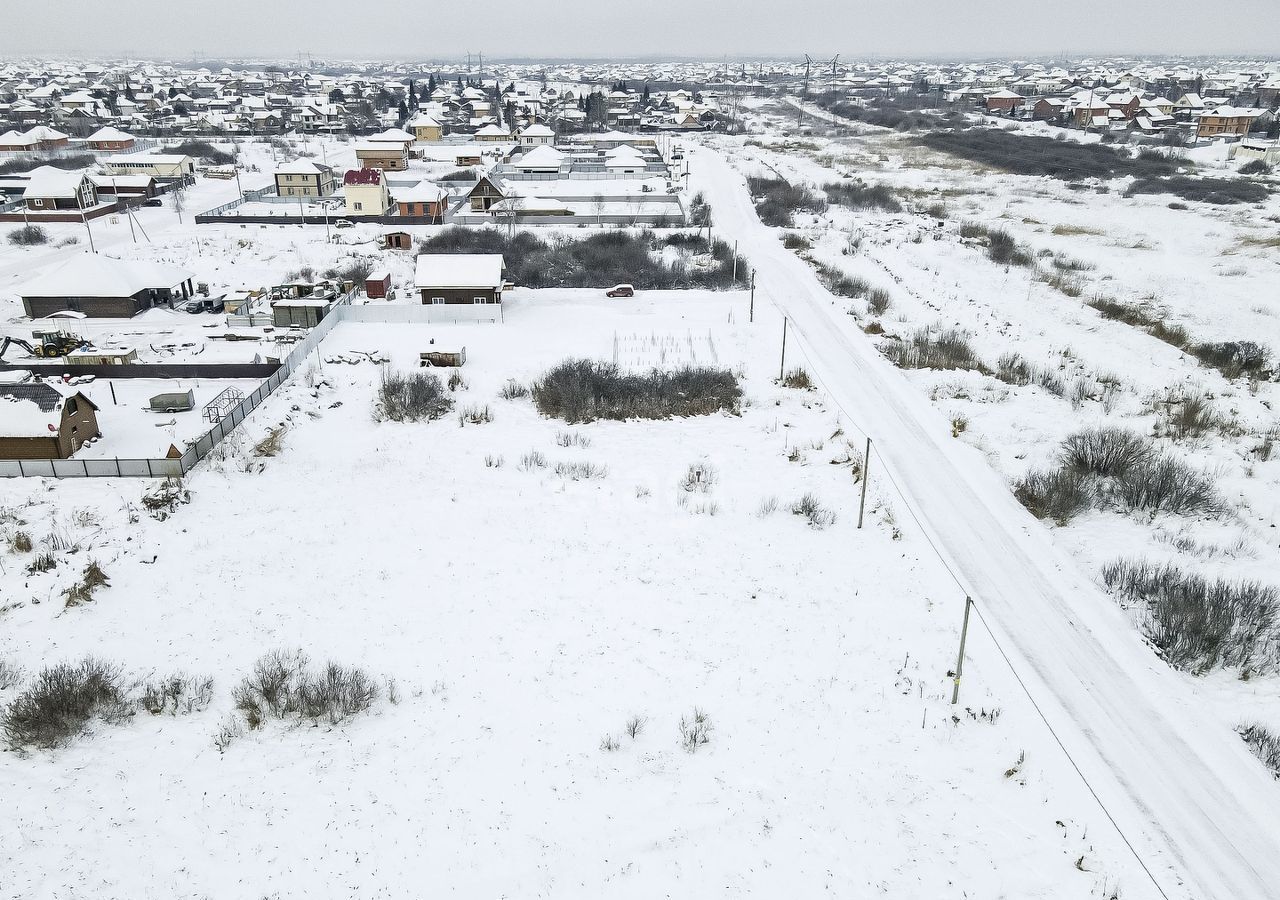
{"type": "Point", "coordinates": [203, 304]}
{"type": "Point", "coordinates": [154, 201]}
{"type": "Point", "coordinates": [344, 223]}
{"type": "Point", "coordinates": [621, 290]}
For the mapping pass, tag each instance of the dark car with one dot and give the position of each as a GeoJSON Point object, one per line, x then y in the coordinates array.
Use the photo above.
{"type": "Point", "coordinates": [621, 290]}
{"type": "Point", "coordinates": [154, 201]}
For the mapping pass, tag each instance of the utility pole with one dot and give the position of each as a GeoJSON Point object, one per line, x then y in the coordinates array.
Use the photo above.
{"type": "Point", "coordinates": [84, 218]}
{"type": "Point", "coordinates": [964, 635]}
{"type": "Point", "coordinates": [782, 364]}
{"type": "Point", "coordinates": [752, 314]}
{"type": "Point", "coordinates": [866, 474]}
{"type": "Point", "coordinates": [734, 278]}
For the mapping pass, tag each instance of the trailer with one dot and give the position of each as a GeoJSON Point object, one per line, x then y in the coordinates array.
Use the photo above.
{"type": "Point", "coordinates": [174, 402]}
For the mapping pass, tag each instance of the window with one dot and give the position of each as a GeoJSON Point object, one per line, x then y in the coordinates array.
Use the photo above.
{"type": "Point", "coordinates": [71, 407]}
{"type": "Point", "coordinates": [479, 299]}
{"type": "Point", "coordinates": [437, 300]}
{"type": "Point", "coordinates": [357, 205]}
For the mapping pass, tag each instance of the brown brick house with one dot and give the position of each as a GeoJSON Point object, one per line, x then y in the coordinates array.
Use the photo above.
{"type": "Point", "coordinates": [44, 421]}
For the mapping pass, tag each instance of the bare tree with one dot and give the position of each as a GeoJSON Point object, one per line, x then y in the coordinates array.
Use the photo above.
{"type": "Point", "coordinates": [179, 201]}
{"type": "Point", "coordinates": [597, 204]}
{"type": "Point", "coordinates": [509, 211]}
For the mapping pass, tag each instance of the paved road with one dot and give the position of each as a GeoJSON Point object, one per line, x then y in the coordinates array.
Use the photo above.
{"type": "Point", "coordinates": [1202, 813]}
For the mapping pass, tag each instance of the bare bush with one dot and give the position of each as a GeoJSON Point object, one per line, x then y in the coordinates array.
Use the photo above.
{"type": "Point", "coordinates": [61, 702]}
{"type": "Point", "coordinates": [10, 674]}
{"type": "Point", "coordinates": [799, 379]}
{"type": "Point", "coordinates": [929, 349]}
{"type": "Point", "coordinates": [282, 685]}
{"type": "Point", "coordinates": [813, 511]}
{"type": "Point", "coordinates": [1166, 484]}
{"type": "Point", "coordinates": [411, 397]}
{"type": "Point", "coordinates": [272, 444]}
{"type": "Point", "coordinates": [777, 200]}
{"type": "Point", "coordinates": [584, 390]}
{"type": "Point", "coordinates": [572, 439]}
{"type": "Point", "coordinates": [475, 414]}
{"type": "Point", "coordinates": [534, 459]}
{"type": "Point", "coordinates": [176, 694]}
{"type": "Point", "coordinates": [634, 726]}
{"type": "Point", "coordinates": [1055, 494]}
{"type": "Point", "coordinates": [163, 500]}
{"type": "Point", "coordinates": [700, 477]}
{"type": "Point", "coordinates": [579, 470]}
{"type": "Point", "coordinates": [1105, 451]}
{"type": "Point", "coordinates": [28, 236]}
{"type": "Point", "coordinates": [1190, 415]}
{"type": "Point", "coordinates": [1264, 744]}
{"type": "Point", "coordinates": [695, 730]}
{"type": "Point", "coordinates": [513, 390]}
{"type": "Point", "coordinates": [1199, 624]}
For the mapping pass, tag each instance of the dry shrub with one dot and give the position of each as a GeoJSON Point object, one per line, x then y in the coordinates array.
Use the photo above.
{"type": "Point", "coordinates": [61, 702]}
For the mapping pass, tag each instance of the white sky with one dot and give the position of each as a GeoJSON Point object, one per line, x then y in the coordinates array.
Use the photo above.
{"type": "Point", "coordinates": [418, 29]}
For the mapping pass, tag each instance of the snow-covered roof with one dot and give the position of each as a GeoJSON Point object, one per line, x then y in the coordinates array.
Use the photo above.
{"type": "Point", "coordinates": [150, 159]}
{"type": "Point", "coordinates": [301, 167]}
{"type": "Point", "coordinates": [422, 192]}
{"type": "Point", "coordinates": [93, 275]}
{"type": "Point", "coordinates": [50, 182]}
{"type": "Point", "coordinates": [541, 157]}
{"type": "Point", "coordinates": [392, 136]}
{"type": "Point", "coordinates": [459, 270]}
{"type": "Point", "coordinates": [528, 205]}
{"type": "Point", "coordinates": [108, 133]}
{"type": "Point", "coordinates": [537, 129]}
{"type": "Point", "coordinates": [493, 131]}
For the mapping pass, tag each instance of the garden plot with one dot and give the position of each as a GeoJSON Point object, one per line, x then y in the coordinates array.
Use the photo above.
{"type": "Point", "coordinates": [664, 351]}
{"type": "Point", "coordinates": [610, 654]}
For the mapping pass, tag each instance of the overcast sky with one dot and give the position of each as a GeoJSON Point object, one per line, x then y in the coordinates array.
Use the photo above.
{"type": "Point", "coordinates": [441, 31]}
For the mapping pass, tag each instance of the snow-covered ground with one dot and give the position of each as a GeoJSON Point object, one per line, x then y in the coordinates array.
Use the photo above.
{"type": "Point", "coordinates": [525, 616]}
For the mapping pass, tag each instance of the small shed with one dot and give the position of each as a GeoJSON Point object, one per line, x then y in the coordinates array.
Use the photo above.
{"type": "Point", "coordinates": [443, 356]}
{"type": "Point", "coordinates": [91, 356]}
{"type": "Point", "coordinates": [378, 285]}
{"type": "Point", "coordinates": [304, 311]}
{"type": "Point", "coordinates": [397, 240]}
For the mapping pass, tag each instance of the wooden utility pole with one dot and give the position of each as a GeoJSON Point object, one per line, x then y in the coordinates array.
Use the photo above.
{"type": "Point", "coordinates": [782, 364]}
{"type": "Point", "coordinates": [751, 317]}
{"type": "Point", "coordinates": [964, 635]}
{"type": "Point", "coordinates": [866, 473]}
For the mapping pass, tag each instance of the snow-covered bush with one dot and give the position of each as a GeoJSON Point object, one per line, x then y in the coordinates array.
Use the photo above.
{"type": "Point", "coordinates": [282, 685]}
{"type": "Point", "coordinates": [583, 390]}
{"type": "Point", "coordinates": [411, 397]}
{"type": "Point", "coordinates": [1106, 450]}
{"type": "Point", "coordinates": [930, 349]}
{"type": "Point", "coordinates": [1166, 484]}
{"type": "Point", "coordinates": [1056, 494]}
{"type": "Point", "coordinates": [1264, 743]}
{"type": "Point", "coordinates": [62, 700]}
{"type": "Point", "coordinates": [813, 511]}
{"type": "Point", "coordinates": [176, 694]}
{"type": "Point", "coordinates": [1198, 623]}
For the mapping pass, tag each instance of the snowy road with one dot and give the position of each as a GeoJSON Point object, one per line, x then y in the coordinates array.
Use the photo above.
{"type": "Point", "coordinates": [1199, 810]}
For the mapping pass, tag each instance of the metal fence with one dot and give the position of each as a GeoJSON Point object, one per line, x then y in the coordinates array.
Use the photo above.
{"type": "Point", "coordinates": [177, 466]}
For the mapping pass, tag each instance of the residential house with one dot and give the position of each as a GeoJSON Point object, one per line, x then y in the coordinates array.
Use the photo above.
{"type": "Point", "coordinates": [304, 178]}
{"type": "Point", "coordinates": [1004, 102]}
{"type": "Point", "coordinates": [455, 278]}
{"type": "Point", "coordinates": [366, 194]}
{"type": "Point", "coordinates": [1048, 108]}
{"type": "Point", "coordinates": [387, 155]}
{"type": "Point", "coordinates": [488, 190]}
{"type": "Point", "coordinates": [41, 420]}
{"type": "Point", "coordinates": [426, 129]}
{"type": "Point", "coordinates": [101, 287]}
{"type": "Point", "coordinates": [424, 199]}
{"type": "Point", "coordinates": [542, 159]}
{"type": "Point", "coordinates": [1227, 121]}
{"type": "Point", "coordinates": [492, 134]}
{"type": "Point", "coordinates": [109, 138]}
{"type": "Point", "coordinates": [536, 135]}
{"type": "Point", "coordinates": [50, 190]}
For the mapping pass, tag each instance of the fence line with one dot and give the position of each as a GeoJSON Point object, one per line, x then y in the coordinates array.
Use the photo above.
{"type": "Point", "coordinates": [174, 467]}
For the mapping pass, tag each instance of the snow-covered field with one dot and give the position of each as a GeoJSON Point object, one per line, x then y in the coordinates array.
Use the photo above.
{"type": "Point", "coordinates": [525, 617]}
{"type": "Point", "coordinates": [1202, 267]}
